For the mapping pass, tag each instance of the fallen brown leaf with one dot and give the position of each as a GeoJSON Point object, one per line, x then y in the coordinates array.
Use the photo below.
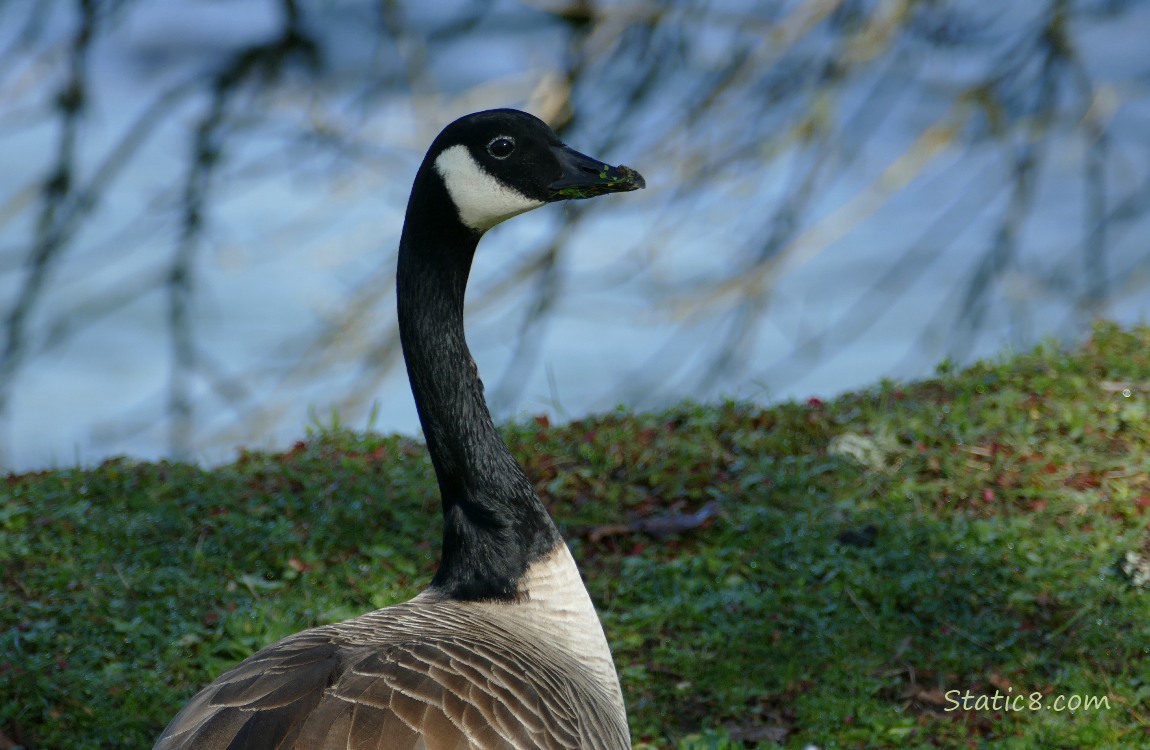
{"type": "Point", "coordinates": [776, 734]}
{"type": "Point", "coordinates": [930, 696]}
{"type": "Point", "coordinates": [659, 526]}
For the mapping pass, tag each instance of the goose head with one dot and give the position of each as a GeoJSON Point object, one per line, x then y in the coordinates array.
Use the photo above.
{"type": "Point", "coordinates": [500, 163]}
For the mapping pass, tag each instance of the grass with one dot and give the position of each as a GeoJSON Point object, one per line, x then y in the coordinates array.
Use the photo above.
{"type": "Point", "coordinates": [873, 561]}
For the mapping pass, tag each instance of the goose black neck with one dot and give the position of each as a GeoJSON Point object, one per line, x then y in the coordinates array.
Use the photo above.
{"type": "Point", "coordinates": [494, 526]}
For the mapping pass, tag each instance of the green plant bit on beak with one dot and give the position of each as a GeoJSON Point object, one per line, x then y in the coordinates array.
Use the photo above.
{"type": "Point", "coordinates": [611, 180]}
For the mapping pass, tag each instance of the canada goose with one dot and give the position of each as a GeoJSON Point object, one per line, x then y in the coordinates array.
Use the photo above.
{"type": "Point", "coordinates": [503, 649]}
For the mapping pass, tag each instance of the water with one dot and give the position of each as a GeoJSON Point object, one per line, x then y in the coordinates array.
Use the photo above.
{"type": "Point", "coordinates": [286, 254]}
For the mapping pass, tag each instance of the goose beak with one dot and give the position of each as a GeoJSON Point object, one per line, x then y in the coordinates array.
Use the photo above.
{"type": "Point", "coordinates": [584, 177]}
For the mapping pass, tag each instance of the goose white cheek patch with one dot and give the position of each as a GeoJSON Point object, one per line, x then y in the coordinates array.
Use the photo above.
{"type": "Point", "coordinates": [481, 199]}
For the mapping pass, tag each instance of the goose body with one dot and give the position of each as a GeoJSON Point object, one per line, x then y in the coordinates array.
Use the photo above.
{"type": "Point", "coordinates": [504, 648]}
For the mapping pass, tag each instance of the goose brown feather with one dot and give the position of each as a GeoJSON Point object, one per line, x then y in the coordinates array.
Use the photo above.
{"type": "Point", "coordinates": [429, 673]}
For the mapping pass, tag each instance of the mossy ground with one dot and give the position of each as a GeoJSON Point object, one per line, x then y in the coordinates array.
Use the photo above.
{"type": "Point", "coordinates": [859, 560]}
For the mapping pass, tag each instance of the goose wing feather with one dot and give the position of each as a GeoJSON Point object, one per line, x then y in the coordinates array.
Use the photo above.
{"type": "Point", "coordinates": [466, 684]}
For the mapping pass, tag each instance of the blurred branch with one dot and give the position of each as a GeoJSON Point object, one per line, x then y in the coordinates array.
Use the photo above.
{"type": "Point", "coordinates": [927, 249]}
{"type": "Point", "coordinates": [545, 292]}
{"type": "Point", "coordinates": [1095, 124]}
{"type": "Point", "coordinates": [57, 200]}
{"type": "Point", "coordinates": [1002, 257]}
{"type": "Point", "coordinates": [261, 64]}
{"type": "Point", "coordinates": [803, 246]}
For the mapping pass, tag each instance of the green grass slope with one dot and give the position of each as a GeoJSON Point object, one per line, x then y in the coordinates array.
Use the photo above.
{"type": "Point", "coordinates": [926, 565]}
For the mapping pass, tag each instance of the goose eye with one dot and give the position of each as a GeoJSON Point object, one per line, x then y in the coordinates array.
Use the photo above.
{"type": "Point", "coordinates": [501, 147]}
